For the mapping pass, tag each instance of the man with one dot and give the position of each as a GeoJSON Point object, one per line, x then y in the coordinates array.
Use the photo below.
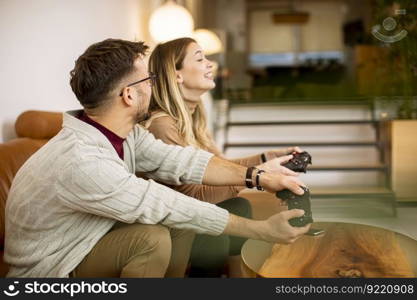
{"type": "Point", "coordinates": [76, 208]}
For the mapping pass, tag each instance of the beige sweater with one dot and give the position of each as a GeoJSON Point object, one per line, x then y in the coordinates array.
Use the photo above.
{"type": "Point", "coordinates": [164, 127]}
{"type": "Point", "coordinates": [72, 191]}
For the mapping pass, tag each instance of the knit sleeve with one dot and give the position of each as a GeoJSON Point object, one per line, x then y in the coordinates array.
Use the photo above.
{"type": "Point", "coordinates": [169, 164]}
{"type": "Point", "coordinates": [104, 187]}
{"type": "Point", "coordinates": [165, 129]}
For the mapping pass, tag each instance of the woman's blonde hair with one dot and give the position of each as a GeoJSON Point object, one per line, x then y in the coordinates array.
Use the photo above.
{"type": "Point", "coordinates": [167, 97]}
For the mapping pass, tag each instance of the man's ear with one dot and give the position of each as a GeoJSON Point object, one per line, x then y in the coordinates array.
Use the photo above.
{"type": "Point", "coordinates": [126, 96]}
{"type": "Point", "coordinates": [180, 79]}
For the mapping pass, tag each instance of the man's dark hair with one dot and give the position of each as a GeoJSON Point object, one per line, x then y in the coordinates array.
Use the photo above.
{"type": "Point", "coordinates": [101, 67]}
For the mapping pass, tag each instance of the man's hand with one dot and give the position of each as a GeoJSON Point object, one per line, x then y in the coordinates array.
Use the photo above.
{"type": "Point", "coordinates": [275, 165]}
{"type": "Point", "coordinates": [278, 230]}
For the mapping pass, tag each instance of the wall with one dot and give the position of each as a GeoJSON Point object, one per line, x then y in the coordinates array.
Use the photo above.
{"type": "Point", "coordinates": [323, 32]}
{"type": "Point", "coordinates": [40, 40]}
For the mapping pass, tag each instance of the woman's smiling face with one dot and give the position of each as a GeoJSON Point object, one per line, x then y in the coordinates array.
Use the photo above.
{"type": "Point", "coordinates": [196, 74]}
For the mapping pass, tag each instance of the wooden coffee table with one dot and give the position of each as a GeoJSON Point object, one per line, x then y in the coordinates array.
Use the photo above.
{"type": "Point", "coordinates": [345, 250]}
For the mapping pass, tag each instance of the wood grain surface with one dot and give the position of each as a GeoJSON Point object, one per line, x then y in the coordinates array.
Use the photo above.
{"type": "Point", "coordinates": [345, 250]}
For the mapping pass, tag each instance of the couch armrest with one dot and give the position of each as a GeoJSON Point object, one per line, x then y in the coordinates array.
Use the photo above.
{"type": "Point", "coordinates": [38, 124]}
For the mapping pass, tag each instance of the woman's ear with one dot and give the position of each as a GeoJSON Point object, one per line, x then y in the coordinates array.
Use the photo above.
{"type": "Point", "coordinates": [180, 79]}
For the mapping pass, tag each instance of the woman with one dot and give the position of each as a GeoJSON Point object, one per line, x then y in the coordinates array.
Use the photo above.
{"type": "Point", "coordinates": [177, 117]}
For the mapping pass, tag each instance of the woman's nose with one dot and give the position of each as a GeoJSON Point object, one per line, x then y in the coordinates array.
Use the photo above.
{"type": "Point", "coordinates": [209, 64]}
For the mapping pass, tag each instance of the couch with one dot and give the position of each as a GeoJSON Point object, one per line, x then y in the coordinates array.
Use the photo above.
{"type": "Point", "coordinates": [34, 129]}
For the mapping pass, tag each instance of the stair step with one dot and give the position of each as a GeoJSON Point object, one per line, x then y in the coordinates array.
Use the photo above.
{"type": "Point", "coordinates": [298, 111]}
{"type": "Point", "coordinates": [365, 202]}
{"type": "Point", "coordinates": [348, 191]}
{"type": "Point", "coordinates": [322, 156]}
{"type": "Point", "coordinates": [303, 144]}
{"type": "Point", "coordinates": [342, 190]}
{"type": "Point", "coordinates": [352, 178]}
{"type": "Point", "coordinates": [339, 208]}
{"type": "Point", "coordinates": [312, 122]}
{"type": "Point", "coordinates": [359, 102]}
{"type": "Point", "coordinates": [368, 167]}
{"type": "Point", "coordinates": [298, 132]}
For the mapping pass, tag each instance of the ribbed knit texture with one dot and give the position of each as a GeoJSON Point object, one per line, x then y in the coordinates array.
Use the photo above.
{"type": "Point", "coordinates": [73, 190]}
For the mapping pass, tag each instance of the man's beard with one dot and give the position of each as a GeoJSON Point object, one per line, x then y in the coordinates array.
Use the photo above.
{"type": "Point", "coordinates": [141, 115]}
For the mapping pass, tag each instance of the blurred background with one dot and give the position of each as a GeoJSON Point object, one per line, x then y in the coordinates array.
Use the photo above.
{"type": "Point", "coordinates": [336, 77]}
{"type": "Point", "coordinates": [270, 50]}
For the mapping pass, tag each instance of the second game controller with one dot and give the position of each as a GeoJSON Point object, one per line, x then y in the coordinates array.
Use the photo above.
{"type": "Point", "coordinates": [299, 162]}
{"type": "Point", "coordinates": [300, 202]}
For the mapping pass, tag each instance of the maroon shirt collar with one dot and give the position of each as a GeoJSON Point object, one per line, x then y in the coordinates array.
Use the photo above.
{"type": "Point", "coordinates": [114, 139]}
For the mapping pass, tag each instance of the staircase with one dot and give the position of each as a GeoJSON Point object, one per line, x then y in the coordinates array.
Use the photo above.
{"type": "Point", "coordinates": [350, 172]}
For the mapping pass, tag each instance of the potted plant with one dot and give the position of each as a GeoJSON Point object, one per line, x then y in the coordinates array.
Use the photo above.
{"type": "Point", "coordinates": [396, 34]}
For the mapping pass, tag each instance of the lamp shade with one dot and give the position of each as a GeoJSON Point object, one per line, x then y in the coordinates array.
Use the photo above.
{"type": "Point", "coordinates": [170, 21]}
{"type": "Point", "coordinates": [208, 40]}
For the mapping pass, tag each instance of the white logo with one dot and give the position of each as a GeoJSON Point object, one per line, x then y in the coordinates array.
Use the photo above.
{"type": "Point", "coordinates": [12, 290]}
{"type": "Point", "coordinates": [390, 24]}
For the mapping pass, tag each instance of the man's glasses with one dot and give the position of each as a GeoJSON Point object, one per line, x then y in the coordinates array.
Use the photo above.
{"type": "Point", "coordinates": [151, 78]}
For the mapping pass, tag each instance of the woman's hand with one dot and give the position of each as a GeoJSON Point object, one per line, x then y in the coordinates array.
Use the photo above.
{"type": "Point", "coordinates": [281, 152]}
{"type": "Point", "coordinates": [275, 165]}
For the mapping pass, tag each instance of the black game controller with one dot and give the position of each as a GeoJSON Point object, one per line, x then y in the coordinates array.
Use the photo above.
{"type": "Point", "coordinates": [299, 162]}
{"type": "Point", "coordinates": [299, 202]}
